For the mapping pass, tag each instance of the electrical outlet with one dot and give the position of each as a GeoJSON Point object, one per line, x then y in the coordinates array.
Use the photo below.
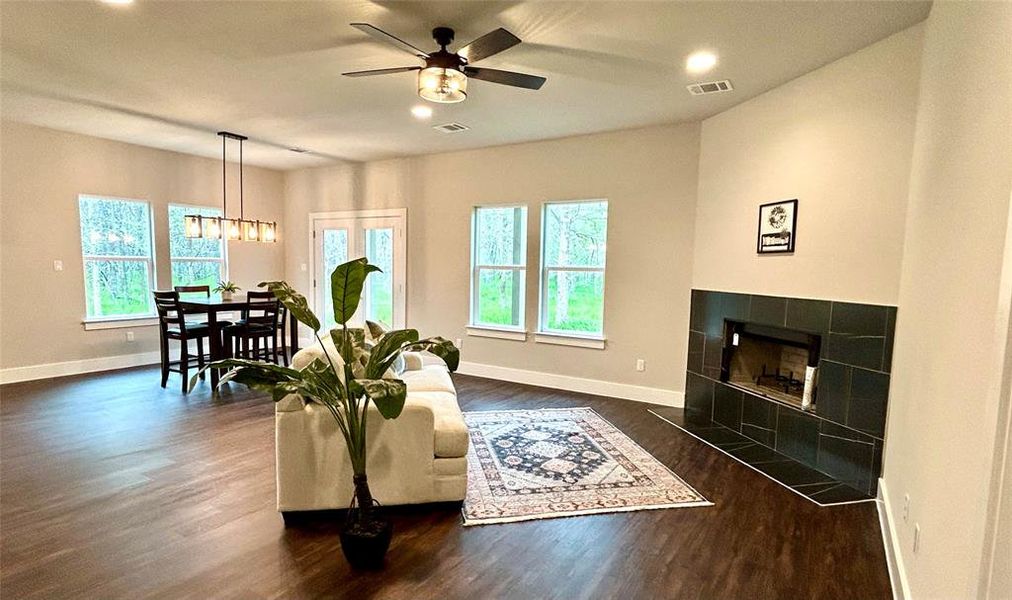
{"type": "Point", "coordinates": [130, 336]}
{"type": "Point", "coordinates": [917, 537]}
{"type": "Point", "coordinates": [459, 344]}
{"type": "Point", "coordinates": [641, 365]}
{"type": "Point", "coordinates": [906, 507]}
{"type": "Point", "coordinates": [57, 265]}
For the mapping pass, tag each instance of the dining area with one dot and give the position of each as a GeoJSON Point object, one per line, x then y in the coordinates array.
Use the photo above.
{"type": "Point", "coordinates": [198, 325]}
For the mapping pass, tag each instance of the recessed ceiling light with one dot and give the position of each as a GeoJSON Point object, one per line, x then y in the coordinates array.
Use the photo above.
{"type": "Point", "coordinates": [118, 2]}
{"type": "Point", "coordinates": [421, 112]}
{"type": "Point", "coordinates": [700, 62]}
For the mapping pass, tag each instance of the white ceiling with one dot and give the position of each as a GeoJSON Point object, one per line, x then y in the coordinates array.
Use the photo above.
{"type": "Point", "coordinates": [170, 74]}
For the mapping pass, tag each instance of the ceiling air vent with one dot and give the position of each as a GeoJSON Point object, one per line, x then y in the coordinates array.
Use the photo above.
{"type": "Point", "coordinates": [709, 87]}
{"type": "Point", "coordinates": [451, 127]}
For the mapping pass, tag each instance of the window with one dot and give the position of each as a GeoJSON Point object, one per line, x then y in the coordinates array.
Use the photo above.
{"type": "Point", "coordinates": [573, 242]}
{"type": "Point", "coordinates": [195, 261]}
{"type": "Point", "coordinates": [498, 266]}
{"type": "Point", "coordinates": [116, 244]}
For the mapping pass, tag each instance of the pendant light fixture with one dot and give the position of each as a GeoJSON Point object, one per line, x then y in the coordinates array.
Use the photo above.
{"type": "Point", "coordinates": [230, 228]}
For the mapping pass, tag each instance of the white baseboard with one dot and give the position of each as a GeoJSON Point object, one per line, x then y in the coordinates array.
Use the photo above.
{"type": "Point", "coordinates": [76, 367]}
{"type": "Point", "coordinates": [610, 389]}
{"type": "Point", "coordinates": [890, 540]}
{"type": "Point", "coordinates": [551, 380]}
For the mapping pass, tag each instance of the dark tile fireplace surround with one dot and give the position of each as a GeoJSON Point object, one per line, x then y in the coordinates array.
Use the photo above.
{"type": "Point", "coordinates": [830, 453]}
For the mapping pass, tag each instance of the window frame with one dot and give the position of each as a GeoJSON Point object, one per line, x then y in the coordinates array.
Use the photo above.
{"type": "Point", "coordinates": [150, 260]}
{"type": "Point", "coordinates": [545, 334]}
{"type": "Point", "coordinates": [474, 327]}
{"type": "Point", "coordinates": [223, 270]}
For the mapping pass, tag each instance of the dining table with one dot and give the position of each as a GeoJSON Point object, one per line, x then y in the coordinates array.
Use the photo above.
{"type": "Point", "coordinates": [214, 306]}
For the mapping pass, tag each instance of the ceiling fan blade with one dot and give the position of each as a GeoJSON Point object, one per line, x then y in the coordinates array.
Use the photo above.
{"type": "Point", "coordinates": [385, 37]}
{"type": "Point", "coordinates": [491, 43]}
{"type": "Point", "coordinates": [380, 71]}
{"type": "Point", "coordinates": [522, 80]}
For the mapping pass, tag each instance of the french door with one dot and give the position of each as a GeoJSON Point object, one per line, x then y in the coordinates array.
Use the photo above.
{"type": "Point", "coordinates": [377, 235]}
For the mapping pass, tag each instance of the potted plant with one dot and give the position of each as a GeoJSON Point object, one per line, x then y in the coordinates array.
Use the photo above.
{"type": "Point", "coordinates": [345, 384]}
{"type": "Point", "coordinates": [226, 289]}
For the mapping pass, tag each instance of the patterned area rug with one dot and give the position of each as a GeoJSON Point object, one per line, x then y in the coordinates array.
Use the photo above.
{"type": "Point", "coordinates": [539, 464]}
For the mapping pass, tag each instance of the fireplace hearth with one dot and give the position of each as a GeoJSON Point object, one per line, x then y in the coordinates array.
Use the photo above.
{"type": "Point", "coordinates": [749, 357]}
{"type": "Point", "coordinates": [774, 362]}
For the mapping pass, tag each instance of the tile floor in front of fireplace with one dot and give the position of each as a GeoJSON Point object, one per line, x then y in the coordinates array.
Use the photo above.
{"type": "Point", "coordinates": [814, 485]}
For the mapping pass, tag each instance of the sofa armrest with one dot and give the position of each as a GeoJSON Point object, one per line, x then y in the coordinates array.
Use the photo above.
{"type": "Point", "coordinates": [290, 403]}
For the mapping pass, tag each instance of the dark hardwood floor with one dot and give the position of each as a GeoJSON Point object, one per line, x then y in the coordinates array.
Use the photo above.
{"type": "Point", "coordinates": [112, 487]}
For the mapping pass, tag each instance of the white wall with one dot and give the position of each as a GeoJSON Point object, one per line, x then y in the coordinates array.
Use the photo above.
{"type": "Point", "coordinates": [839, 140]}
{"type": "Point", "coordinates": [43, 172]}
{"type": "Point", "coordinates": [952, 327]}
{"type": "Point", "coordinates": [649, 179]}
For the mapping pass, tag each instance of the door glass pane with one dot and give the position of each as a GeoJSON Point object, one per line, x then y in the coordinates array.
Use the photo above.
{"type": "Point", "coordinates": [379, 296]}
{"type": "Point", "coordinates": [335, 252]}
{"type": "Point", "coordinates": [575, 301]}
{"type": "Point", "coordinates": [500, 297]}
{"type": "Point", "coordinates": [116, 288]}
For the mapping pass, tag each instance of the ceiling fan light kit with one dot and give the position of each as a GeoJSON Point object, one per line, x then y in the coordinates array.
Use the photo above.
{"type": "Point", "coordinates": [445, 86]}
{"type": "Point", "coordinates": [230, 228]}
{"type": "Point", "coordinates": [444, 77]}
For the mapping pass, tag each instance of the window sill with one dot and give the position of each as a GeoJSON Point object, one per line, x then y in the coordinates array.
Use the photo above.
{"type": "Point", "coordinates": [119, 322]}
{"type": "Point", "coordinates": [518, 335]}
{"type": "Point", "coordinates": [564, 339]}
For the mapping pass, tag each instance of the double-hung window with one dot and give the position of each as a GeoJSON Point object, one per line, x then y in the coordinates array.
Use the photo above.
{"type": "Point", "coordinates": [573, 243]}
{"type": "Point", "coordinates": [498, 266]}
{"type": "Point", "coordinates": [117, 248]}
{"type": "Point", "coordinates": [195, 261]}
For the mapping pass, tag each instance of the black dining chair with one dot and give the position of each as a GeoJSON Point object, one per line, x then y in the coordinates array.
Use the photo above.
{"type": "Point", "coordinates": [255, 335]}
{"type": "Point", "coordinates": [193, 289]}
{"type": "Point", "coordinates": [283, 333]}
{"type": "Point", "coordinates": [199, 289]}
{"type": "Point", "coordinates": [172, 325]}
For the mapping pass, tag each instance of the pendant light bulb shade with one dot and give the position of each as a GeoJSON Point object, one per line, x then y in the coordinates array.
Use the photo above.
{"type": "Point", "coordinates": [233, 230]}
{"type": "Point", "coordinates": [212, 228]}
{"type": "Point", "coordinates": [191, 226]}
{"type": "Point", "coordinates": [445, 86]}
{"type": "Point", "coordinates": [268, 232]}
{"type": "Point", "coordinates": [250, 231]}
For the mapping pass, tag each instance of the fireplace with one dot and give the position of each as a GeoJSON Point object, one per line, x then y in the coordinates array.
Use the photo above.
{"type": "Point", "coordinates": [774, 362]}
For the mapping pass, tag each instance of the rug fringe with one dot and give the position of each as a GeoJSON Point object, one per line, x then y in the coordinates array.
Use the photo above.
{"type": "Point", "coordinates": [578, 513]}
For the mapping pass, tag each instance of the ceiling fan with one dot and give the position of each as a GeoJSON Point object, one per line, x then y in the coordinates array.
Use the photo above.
{"type": "Point", "coordinates": [444, 76]}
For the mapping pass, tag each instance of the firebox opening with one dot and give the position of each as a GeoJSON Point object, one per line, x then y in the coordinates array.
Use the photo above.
{"type": "Point", "coordinates": [781, 364]}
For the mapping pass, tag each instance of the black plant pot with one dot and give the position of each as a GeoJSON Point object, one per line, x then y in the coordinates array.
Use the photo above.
{"type": "Point", "coordinates": [365, 539]}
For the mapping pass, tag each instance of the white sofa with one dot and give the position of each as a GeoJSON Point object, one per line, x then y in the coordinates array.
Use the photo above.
{"type": "Point", "coordinates": [418, 457]}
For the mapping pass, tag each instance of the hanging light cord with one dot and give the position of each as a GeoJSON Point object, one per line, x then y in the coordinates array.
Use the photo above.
{"type": "Point", "coordinates": [224, 185]}
{"type": "Point", "coordinates": [240, 179]}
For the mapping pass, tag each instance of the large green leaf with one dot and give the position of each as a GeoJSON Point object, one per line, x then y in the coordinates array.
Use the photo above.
{"type": "Point", "coordinates": [386, 350]}
{"type": "Point", "coordinates": [441, 347]}
{"type": "Point", "coordinates": [346, 283]}
{"type": "Point", "coordinates": [388, 395]}
{"type": "Point", "coordinates": [355, 353]}
{"type": "Point", "coordinates": [293, 301]}
{"type": "Point", "coordinates": [322, 382]}
{"type": "Point", "coordinates": [255, 374]}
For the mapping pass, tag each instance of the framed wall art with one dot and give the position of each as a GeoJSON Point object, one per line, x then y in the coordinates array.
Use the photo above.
{"type": "Point", "coordinates": [778, 223]}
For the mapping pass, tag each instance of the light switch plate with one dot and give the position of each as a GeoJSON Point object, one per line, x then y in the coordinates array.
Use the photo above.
{"type": "Point", "coordinates": [57, 265]}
